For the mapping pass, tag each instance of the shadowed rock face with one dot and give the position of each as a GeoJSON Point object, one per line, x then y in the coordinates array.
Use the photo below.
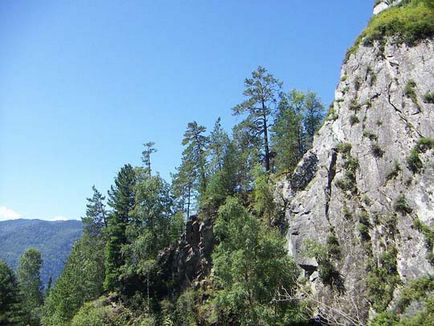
{"type": "Point", "coordinates": [380, 114]}
{"type": "Point", "coordinates": [190, 260]}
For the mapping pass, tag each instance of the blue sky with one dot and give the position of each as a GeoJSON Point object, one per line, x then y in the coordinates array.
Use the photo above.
{"type": "Point", "coordinates": [83, 84]}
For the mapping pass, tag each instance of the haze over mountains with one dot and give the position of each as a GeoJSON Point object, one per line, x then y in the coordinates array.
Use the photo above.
{"type": "Point", "coordinates": [54, 239]}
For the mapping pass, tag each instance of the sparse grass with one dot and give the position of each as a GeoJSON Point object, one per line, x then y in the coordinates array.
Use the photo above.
{"type": "Point", "coordinates": [413, 160]}
{"type": "Point", "coordinates": [354, 106]}
{"type": "Point", "coordinates": [410, 92]}
{"type": "Point", "coordinates": [401, 205]}
{"type": "Point", "coordinates": [371, 136]}
{"type": "Point", "coordinates": [428, 233]}
{"type": "Point", "coordinates": [344, 148]}
{"type": "Point", "coordinates": [395, 172]}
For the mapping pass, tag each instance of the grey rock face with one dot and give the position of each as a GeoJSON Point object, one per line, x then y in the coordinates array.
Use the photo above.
{"type": "Point", "coordinates": [379, 110]}
{"type": "Point", "coordinates": [190, 259]}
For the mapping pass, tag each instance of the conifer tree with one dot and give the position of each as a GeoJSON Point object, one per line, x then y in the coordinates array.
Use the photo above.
{"type": "Point", "coordinates": [10, 304]}
{"type": "Point", "coordinates": [96, 215]}
{"type": "Point", "coordinates": [191, 179]}
{"type": "Point", "coordinates": [261, 91]}
{"type": "Point", "coordinates": [218, 143]}
{"type": "Point", "coordinates": [30, 285]}
{"type": "Point", "coordinates": [121, 200]}
{"type": "Point", "coordinates": [146, 155]}
{"type": "Point", "coordinates": [288, 140]}
{"type": "Point", "coordinates": [313, 116]}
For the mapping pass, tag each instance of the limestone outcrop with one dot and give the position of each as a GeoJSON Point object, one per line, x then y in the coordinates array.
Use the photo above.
{"type": "Point", "coordinates": [365, 191]}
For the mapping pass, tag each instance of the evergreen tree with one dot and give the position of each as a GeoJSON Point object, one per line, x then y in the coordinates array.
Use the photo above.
{"type": "Point", "coordinates": [251, 266]}
{"type": "Point", "coordinates": [30, 285]}
{"type": "Point", "coordinates": [81, 280]}
{"type": "Point", "coordinates": [10, 304]}
{"type": "Point", "coordinates": [96, 215]}
{"type": "Point", "coordinates": [218, 143]}
{"type": "Point", "coordinates": [121, 200]}
{"type": "Point", "coordinates": [261, 91]}
{"type": "Point", "coordinates": [288, 140]}
{"type": "Point", "coordinates": [313, 116]}
{"type": "Point", "coordinates": [191, 180]}
{"type": "Point", "coordinates": [146, 155]}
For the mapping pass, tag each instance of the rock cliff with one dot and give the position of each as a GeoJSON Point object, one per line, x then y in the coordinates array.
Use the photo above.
{"type": "Point", "coordinates": [361, 202]}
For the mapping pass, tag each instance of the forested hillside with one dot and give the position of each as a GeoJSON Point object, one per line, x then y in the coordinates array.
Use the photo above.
{"type": "Point", "coordinates": [294, 217]}
{"type": "Point", "coordinates": [53, 239]}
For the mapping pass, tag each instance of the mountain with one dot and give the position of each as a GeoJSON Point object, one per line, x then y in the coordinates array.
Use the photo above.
{"type": "Point", "coordinates": [53, 238]}
{"type": "Point", "coordinates": [361, 203]}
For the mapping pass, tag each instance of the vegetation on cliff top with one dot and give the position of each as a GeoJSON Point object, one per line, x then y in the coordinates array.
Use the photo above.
{"type": "Point", "coordinates": [409, 22]}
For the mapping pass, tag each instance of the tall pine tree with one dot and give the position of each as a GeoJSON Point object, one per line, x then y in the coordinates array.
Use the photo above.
{"type": "Point", "coordinates": [261, 91]}
{"type": "Point", "coordinates": [121, 200]}
{"type": "Point", "coordinates": [10, 303]}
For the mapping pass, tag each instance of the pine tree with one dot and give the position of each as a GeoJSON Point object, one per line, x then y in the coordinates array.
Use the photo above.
{"type": "Point", "coordinates": [146, 156]}
{"type": "Point", "coordinates": [81, 280]}
{"type": "Point", "coordinates": [218, 143]}
{"type": "Point", "coordinates": [191, 179]}
{"type": "Point", "coordinates": [96, 215]}
{"type": "Point", "coordinates": [30, 285]}
{"type": "Point", "coordinates": [313, 116]}
{"type": "Point", "coordinates": [288, 140]}
{"type": "Point", "coordinates": [261, 91]}
{"type": "Point", "coordinates": [10, 304]}
{"type": "Point", "coordinates": [121, 200]}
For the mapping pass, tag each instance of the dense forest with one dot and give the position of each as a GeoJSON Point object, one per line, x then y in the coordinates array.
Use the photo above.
{"type": "Point", "coordinates": [113, 275]}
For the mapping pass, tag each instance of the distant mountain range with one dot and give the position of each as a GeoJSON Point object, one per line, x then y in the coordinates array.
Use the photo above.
{"type": "Point", "coordinates": [54, 239]}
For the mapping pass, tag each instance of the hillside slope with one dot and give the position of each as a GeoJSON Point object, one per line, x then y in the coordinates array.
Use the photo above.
{"type": "Point", "coordinates": [53, 239]}
{"type": "Point", "coordinates": [361, 202]}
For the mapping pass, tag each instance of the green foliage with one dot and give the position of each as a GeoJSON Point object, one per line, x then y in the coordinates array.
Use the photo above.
{"type": "Point", "coordinates": [190, 182]}
{"type": "Point", "coordinates": [413, 160]}
{"type": "Point", "coordinates": [251, 266]}
{"type": "Point", "coordinates": [401, 205]}
{"type": "Point", "coordinates": [393, 174]}
{"type": "Point", "coordinates": [96, 215]}
{"type": "Point", "coordinates": [354, 119]}
{"type": "Point", "coordinates": [30, 285]}
{"type": "Point", "coordinates": [344, 148]}
{"type": "Point", "coordinates": [383, 279]}
{"type": "Point", "coordinates": [429, 97]}
{"type": "Point", "coordinates": [81, 281]}
{"type": "Point", "coordinates": [409, 23]}
{"type": "Point", "coordinates": [410, 91]}
{"type": "Point", "coordinates": [261, 91]}
{"type": "Point", "coordinates": [10, 303]}
{"type": "Point", "coordinates": [324, 254]}
{"type": "Point", "coordinates": [54, 239]}
{"type": "Point", "coordinates": [428, 233]}
{"type": "Point", "coordinates": [371, 136]}
{"type": "Point", "coordinates": [364, 226]}
{"type": "Point", "coordinates": [121, 200]}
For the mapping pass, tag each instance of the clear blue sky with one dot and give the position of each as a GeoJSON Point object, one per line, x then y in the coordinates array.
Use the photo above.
{"type": "Point", "coordinates": [83, 84]}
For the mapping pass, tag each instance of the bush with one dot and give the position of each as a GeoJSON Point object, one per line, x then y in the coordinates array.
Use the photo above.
{"type": "Point", "coordinates": [344, 148]}
{"type": "Point", "coordinates": [354, 119]}
{"type": "Point", "coordinates": [376, 150]}
{"type": "Point", "coordinates": [413, 160]}
{"type": "Point", "coordinates": [429, 98]}
{"type": "Point", "coordinates": [401, 205]}
{"type": "Point", "coordinates": [394, 173]}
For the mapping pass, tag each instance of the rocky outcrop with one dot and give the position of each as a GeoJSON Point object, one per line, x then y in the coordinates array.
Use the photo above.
{"type": "Point", "coordinates": [384, 4]}
{"type": "Point", "coordinates": [189, 260]}
{"type": "Point", "coordinates": [364, 197]}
